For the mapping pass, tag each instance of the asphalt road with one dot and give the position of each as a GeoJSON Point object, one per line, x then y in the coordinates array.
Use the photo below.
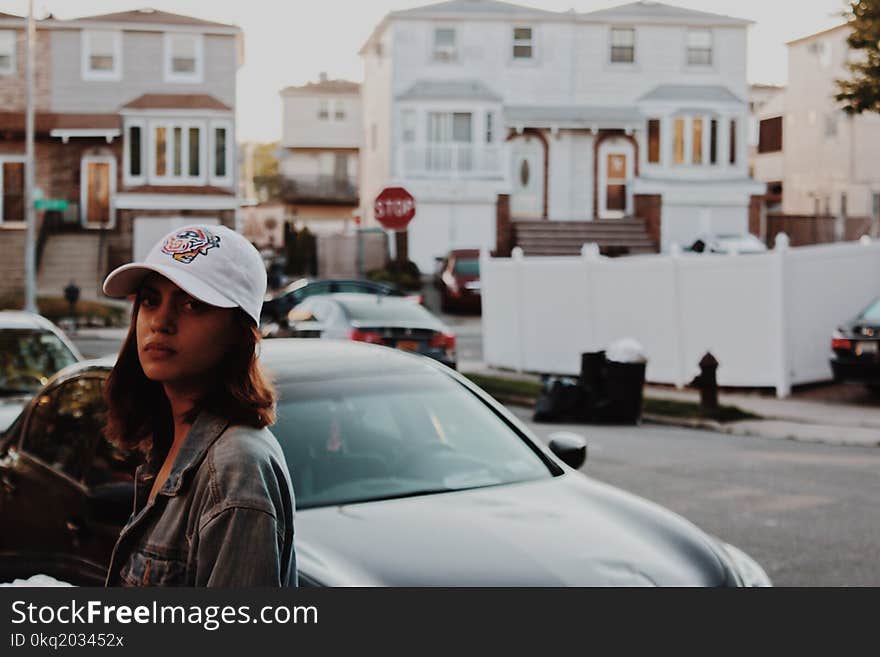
{"type": "Point", "coordinates": [808, 513]}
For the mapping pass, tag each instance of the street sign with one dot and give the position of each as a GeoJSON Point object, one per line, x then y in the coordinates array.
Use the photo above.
{"type": "Point", "coordinates": [50, 204]}
{"type": "Point", "coordinates": [394, 208]}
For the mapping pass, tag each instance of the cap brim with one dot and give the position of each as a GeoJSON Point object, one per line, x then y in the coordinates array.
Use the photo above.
{"type": "Point", "coordinates": [126, 280]}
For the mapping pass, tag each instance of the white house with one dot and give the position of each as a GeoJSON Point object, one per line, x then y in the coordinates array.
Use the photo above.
{"type": "Point", "coordinates": [321, 140]}
{"type": "Point", "coordinates": [826, 160]}
{"type": "Point", "coordinates": [578, 116]}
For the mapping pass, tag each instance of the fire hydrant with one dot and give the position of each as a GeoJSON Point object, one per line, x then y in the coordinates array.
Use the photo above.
{"type": "Point", "coordinates": [707, 382]}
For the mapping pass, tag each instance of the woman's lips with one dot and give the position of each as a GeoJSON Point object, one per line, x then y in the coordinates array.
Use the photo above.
{"type": "Point", "coordinates": [159, 352]}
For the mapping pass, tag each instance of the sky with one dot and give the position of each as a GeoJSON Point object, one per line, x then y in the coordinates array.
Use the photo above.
{"type": "Point", "coordinates": [289, 42]}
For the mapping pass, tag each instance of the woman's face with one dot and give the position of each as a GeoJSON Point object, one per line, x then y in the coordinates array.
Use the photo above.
{"type": "Point", "coordinates": [180, 339]}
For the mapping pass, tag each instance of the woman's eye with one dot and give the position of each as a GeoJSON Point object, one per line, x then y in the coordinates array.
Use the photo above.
{"type": "Point", "coordinates": [192, 304]}
{"type": "Point", "coordinates": [148, 302]}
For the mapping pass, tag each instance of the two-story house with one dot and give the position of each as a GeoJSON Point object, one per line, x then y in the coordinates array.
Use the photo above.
{"type": "Point", "coordinates": [320, 142]}
{"type": "Point", "coordinates": [135, 128]}
{"type": "Point", "coordinates": [825, 159]}
{"type": "Point", "coordinates": [634, 111]}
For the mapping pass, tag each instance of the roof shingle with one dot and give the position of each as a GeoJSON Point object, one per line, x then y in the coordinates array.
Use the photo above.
{"type": "Point", "coordinates": [177, 101]}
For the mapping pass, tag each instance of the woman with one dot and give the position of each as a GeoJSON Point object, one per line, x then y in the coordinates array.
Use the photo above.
{"type": "Point", "coordinates": [214, 505]}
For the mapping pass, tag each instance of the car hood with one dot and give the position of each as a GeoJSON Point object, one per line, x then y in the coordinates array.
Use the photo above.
{"type": "Point", "coordinates": [565, 531]}
{"type": "Point", "coordinates": [10, 408]}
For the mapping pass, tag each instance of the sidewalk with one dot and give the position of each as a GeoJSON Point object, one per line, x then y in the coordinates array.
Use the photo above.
{"type": "Point", "coordinates": [807, 421]}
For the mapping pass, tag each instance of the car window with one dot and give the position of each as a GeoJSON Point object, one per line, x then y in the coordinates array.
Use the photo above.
{"type": "Point", "coordinates": [369, 308]}
{"type": "Point", "coordinates": [313, 289]}
{"type": "Point", "coordinates": [468, 267]}
{"type": "Point", "coordinates": [357, 439]}
{"type": "Point", "coordinates": [64, 424]}
{"type": "Point", "coordinates": [872, 312]}
{"type": "Point", "coordinates": [29, 357]}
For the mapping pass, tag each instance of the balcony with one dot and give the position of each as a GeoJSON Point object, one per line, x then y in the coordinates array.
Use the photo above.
{"type": "Point", "coordinates": [320, 190]}
{"type": "Point", "coordinates": [445, 161]}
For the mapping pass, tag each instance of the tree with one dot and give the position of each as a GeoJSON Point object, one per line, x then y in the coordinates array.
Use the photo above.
{"type": "Point", "coordinates": [861, 93]}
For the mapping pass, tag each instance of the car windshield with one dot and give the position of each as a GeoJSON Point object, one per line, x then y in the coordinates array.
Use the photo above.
{"type": "Point", "coordinates": [470, 267]}
{"type": "Point", "coordinates": [872, 313]}
{"type": "Point", "coordinates": [368, 308]}
{"type": "Point", "coordinates": [28, 358]}
{"type": "Point", "coordinates": [389, 436]}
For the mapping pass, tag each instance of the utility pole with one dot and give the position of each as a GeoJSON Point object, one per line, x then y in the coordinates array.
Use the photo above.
{"type": "Point", "coordinates": [30, 283]}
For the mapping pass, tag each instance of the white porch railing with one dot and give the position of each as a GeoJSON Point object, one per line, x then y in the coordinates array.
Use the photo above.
{"type": "Point", "coordinates": [451, 161]}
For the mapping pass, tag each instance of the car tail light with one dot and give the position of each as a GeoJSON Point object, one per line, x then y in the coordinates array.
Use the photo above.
{"type": "Point", "coordinates": [840, 342]}
{"type": "Point", "coordinates": [445, 341]}
{"type": "Point", "coordinates": [366, 336]}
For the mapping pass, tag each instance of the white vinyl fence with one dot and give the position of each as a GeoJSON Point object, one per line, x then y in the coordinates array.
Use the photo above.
{"type": "Point", "coordinates": [767, 318]}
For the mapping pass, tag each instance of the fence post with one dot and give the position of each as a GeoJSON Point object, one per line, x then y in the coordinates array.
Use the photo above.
{"type": "Point", "coordinates": [678, 317]}
{"type": "Point", "coordinates": [516, 254]}
{"type": "Point", "coordinates": [590, 254]}
{"type": "Point", "coordinates": [783, 374]}
{"type": "Point", "coordinates": [487, 316]}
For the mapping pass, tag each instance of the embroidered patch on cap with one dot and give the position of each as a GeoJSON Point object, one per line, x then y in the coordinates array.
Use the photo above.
{"type": "Point", "coordinates": [186, 245]}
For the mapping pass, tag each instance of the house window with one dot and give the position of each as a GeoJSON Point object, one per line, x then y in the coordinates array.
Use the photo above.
{"type": "Point", "coordinates": [444, 44]}
{"type": "Point", "coordinates": [184, 56]}
{"type": "Point", "coordinates": [699, 48]}
{"type": "Point", "coordinates": [220, 152]}
{"type": "Point", "coordinates": [135, 151]}
{"type": "Point", "coordinates": [323, 109]}
{"type": "Point", "coordinates": [770, 135]}
{"type": "Point", "coordinates": [12, 189]}
{"type": "Point", "coordinates": [101, 55]}
{"type": "Point", "coordinates": [339, 110]}
{"type": "Point", "coordinates": [713, 141]}
{"type": "Point", "coordinates": [522, 43]}
{"type": "Point", "coordinates": [408, 126]}
{"type": "Point", "coordinates": [678, 142]}
{"type": "Point", "coordinates": [654, 141]}
{"type": "Point", "coordinates": [733, 141]}
{"type": "Point", "coordinates": [7, 52]}
{"type": "Point", "coordinates": [697, 141]}
{"type": "Point", "coordinates": [490, 128]}
{"type": "Point", "coordinates": [177, 153]}
{"type": "Point", "coordinates": [623, 45]}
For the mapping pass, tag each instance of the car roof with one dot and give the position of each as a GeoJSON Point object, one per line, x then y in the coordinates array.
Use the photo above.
{"type": "Point", "coordinates": [295, 360]}
{"type": "Point", "coordinates": [20, 319]}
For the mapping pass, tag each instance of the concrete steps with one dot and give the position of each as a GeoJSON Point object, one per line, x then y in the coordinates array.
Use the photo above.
{"type": "Point", "coordinates": [614, 236]}
{"type": "Point", "coordinates": [67, 257]}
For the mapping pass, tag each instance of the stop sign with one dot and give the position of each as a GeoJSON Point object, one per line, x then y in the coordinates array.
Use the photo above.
{"type": "Point", "coordinates": [394, 208]}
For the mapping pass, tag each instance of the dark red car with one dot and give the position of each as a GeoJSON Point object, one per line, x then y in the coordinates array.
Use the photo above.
{"type": "Point", "coordinates": [459, 281]}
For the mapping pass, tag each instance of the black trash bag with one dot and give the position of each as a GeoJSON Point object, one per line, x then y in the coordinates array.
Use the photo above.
{"type": "Point", "coordinates": [562, 399]}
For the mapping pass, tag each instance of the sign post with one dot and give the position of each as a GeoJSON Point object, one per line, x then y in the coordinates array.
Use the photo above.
{"type": "Point", "coordinates": [394, 208]}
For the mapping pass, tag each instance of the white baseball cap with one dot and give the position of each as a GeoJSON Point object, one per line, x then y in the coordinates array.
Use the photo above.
{"type": "Point", "coordinates": [213, 264]}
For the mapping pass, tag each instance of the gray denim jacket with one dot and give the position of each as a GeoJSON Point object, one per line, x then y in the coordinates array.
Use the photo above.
{"type": "Point", "coordinates": [224, 516]}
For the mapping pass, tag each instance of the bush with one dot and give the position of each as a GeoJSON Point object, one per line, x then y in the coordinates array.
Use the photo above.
{"type": "Point", "coordinates": [92, 313]}
{"type": "Point", "coordinates": [406, 277]}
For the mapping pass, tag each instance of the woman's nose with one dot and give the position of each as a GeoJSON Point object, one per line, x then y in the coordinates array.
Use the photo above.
{"type": "Point", "coordinates": [163, 317]}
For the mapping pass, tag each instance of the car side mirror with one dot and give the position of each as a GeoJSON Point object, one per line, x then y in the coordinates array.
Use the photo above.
{"type": "Point", "coordinates": [570, 447]}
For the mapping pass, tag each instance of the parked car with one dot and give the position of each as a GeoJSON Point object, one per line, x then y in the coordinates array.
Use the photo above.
{"type": "Point", "coordinates": [855, 349]}
{"type": "Point", "coordinates": [32, 349]}
{"type": "Point", "coordinates": [727, 243]}
{"type": "Point", "coordinates": [276, 305]}
{"type": "Point", "coordinates": [458, 280]}
{"type": "Point", "coordinates": [388, 321]}
{"type": "Point", "coordinates": [405, 474]}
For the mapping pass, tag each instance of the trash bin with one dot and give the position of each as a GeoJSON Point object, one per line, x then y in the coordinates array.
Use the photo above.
{"type": "Point", "coordinates": [561, 399]}
{"type": "Point", "coordinates": [624, 382]}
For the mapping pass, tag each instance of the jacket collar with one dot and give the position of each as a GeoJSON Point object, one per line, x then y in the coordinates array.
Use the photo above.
{"type": "Point", "coordinates": [202, 434]}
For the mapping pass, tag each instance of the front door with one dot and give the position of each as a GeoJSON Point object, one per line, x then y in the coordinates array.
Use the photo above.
{"type": "Point", "coordinates": [98, 191]}
{"type": "Point", "coordinates": [616, 164]}
{"type": "Point", "coordinates": [527, 179]}
{"type": "Point", "coordinates": [12, 185]}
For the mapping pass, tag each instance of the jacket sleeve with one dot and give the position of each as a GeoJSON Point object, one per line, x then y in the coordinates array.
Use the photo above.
{"type": "Point", "coordinates": [239, 547]}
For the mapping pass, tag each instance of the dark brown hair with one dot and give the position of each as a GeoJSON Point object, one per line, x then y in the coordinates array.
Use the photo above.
{"type": "Point", "coordinates": [139, 414]}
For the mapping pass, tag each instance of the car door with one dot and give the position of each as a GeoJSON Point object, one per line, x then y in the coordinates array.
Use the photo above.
{"type": "Point", "coordinates": [43, 502]}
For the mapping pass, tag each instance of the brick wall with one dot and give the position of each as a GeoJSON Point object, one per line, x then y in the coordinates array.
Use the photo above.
{"type": "Point", "coordinates": [12, 262]}
{"type": "Point", "coordinates": [503, 227]}
{"type": "Point", "coordinates": [649, 207]}
{"type": "Point", "coordinates": [804, 230]}
{"type": "Point", "coordinates": [12, 87]}
{"type": "Point", "coordinates": [755, 204]}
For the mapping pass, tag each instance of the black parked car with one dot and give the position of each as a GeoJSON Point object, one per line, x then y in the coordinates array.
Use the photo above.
{"type": "Point", "coordinates": [855, 349]}
{"type": "Point", "coordinates": [276, 305]}
{"type": "Point", "coordinates": [405, 473]}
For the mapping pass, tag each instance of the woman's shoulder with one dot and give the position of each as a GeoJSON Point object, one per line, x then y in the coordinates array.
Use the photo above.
{"type": "Point", "coordinates": [246, 466]}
